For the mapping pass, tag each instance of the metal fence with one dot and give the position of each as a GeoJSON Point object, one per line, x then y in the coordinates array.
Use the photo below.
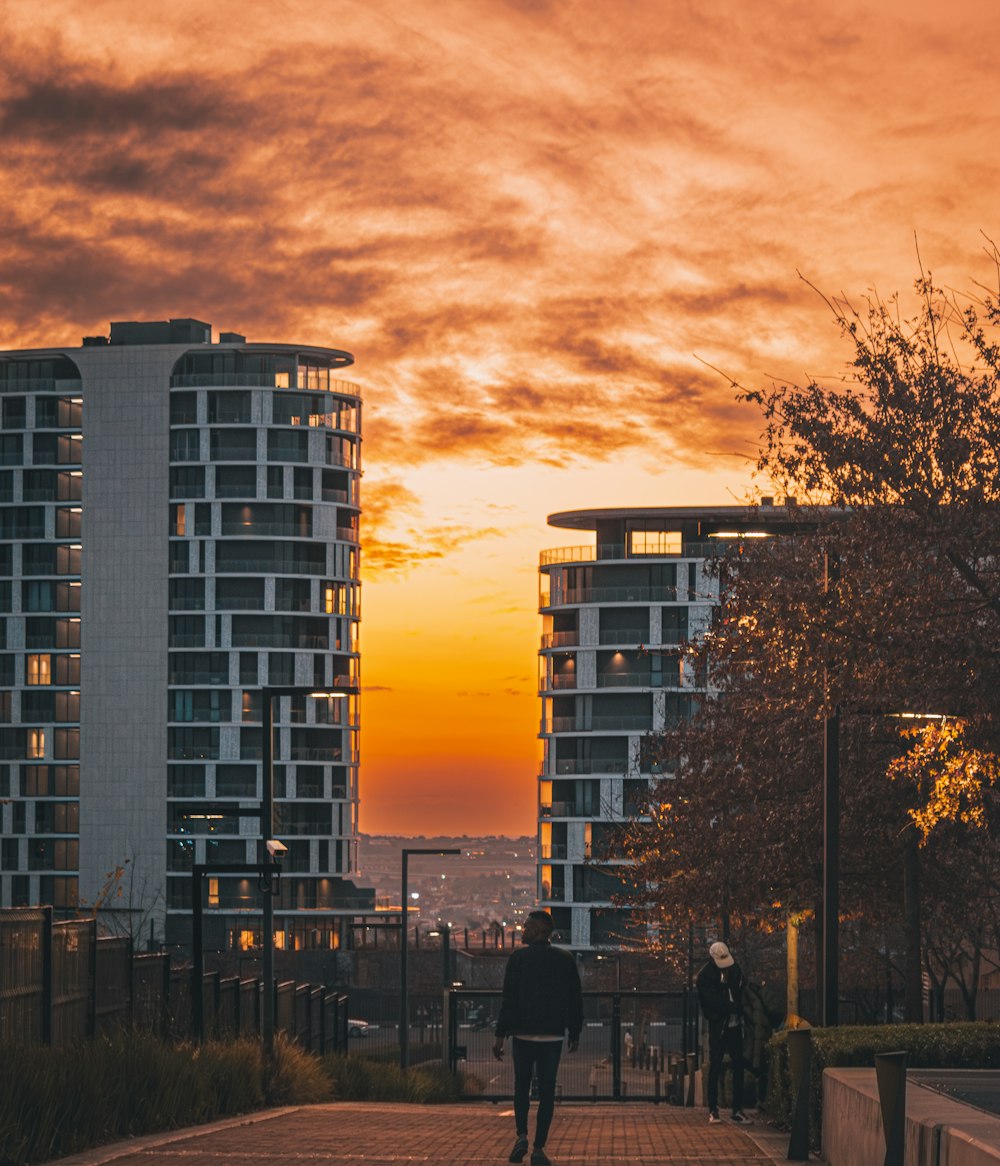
{"type": "Point", "coordinates": [630, 1046]}
{"type": "Point", "coordinates": [60, 983]}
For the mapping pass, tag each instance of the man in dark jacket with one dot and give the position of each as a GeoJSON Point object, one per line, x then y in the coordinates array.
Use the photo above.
{"type": "Point", "coordinates": [720, 993]}
{"type": "Point", "coordinates": [542, 1002]}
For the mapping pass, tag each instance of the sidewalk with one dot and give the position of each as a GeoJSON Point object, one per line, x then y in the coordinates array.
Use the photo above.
{"type": "Point", "coordinates": [377, 1134]}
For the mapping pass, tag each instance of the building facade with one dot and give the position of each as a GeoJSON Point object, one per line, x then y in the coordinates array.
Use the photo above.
{"type": "Point", "coordinates": [615, 616]}
{"type": "Point", "coordinates": [178, 531]}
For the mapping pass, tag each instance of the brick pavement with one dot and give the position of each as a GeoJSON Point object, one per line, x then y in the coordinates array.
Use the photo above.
{"type": "Point", "coordinates": [378, 1134]}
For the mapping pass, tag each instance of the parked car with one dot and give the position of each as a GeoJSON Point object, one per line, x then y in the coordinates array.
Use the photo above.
{"type": "Point", "coordinates": [357, 1027]}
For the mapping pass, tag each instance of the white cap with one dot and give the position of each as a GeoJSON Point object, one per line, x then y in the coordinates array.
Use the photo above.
{"type": "Point", "coordinates": [722, 957]}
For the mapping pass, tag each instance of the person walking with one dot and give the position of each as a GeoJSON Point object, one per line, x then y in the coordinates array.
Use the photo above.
{"type": "Point", "coordinates": [720, 993]}
{"type": "Point", "coordinates": [542, 1002]}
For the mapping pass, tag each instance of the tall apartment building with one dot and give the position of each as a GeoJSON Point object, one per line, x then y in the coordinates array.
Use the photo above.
{"type": "Point", "coordinates": [178, 529]}
{"type": "Point", "coordinates": [615, 615]}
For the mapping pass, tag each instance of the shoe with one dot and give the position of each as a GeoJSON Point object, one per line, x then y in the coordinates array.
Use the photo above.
{"type": "Point", "coordinates": [520, 1149]}
{"type": "Point", "coordinates": [539, 1157]}
{"type": "Point", "coordinates": [741, 1118]}
{"type": "Point", "coordinates": [713, 1118]}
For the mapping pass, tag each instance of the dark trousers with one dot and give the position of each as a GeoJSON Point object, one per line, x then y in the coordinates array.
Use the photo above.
{"type": "Point", "coordinates": [542, 1056]}
{"type": "Point", "coordinates": [720, 1042]}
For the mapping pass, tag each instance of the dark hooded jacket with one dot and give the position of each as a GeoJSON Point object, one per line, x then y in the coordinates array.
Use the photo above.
{"type": "Point", "coordinates": [720, 993]}
{"type": "Point", "coordinates": [541, 993]}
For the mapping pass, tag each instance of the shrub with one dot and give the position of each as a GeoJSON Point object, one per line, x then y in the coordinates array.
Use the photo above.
{"type": "Point", "coordinates": [962, 1045]}
{"type": "Point", "coordinates": [358, 1078]}
{"type": "Point", "coordinates": [59, 1101]}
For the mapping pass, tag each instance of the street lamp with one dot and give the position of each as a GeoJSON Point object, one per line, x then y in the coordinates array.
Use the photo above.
{"type": "Point", "coordinates": [404, 999]}
{"type": "Point", "coordinates": [269, 849]}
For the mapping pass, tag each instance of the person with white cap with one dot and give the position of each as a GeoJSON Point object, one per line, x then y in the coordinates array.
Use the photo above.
{"type": "Point", "coordinates": [720, 993]}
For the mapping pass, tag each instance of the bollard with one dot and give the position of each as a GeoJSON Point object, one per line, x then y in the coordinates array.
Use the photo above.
{"type": "Point", "coordinates": [692, 1064]}
{"type": "Point", "coordinates": [656, 1087]}
{"type": "Point", "coordinates": [799, 1047]}
{"type": "Point", "coordinates": [890, 1073]}
{"type": "Point", "coordinates": [593, 1093]}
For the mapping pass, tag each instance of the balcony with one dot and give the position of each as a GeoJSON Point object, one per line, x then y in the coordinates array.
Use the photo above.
{"type": "Point", "coordinates": [597, 724]}
{"type": "Point", "coordinates": [561, 639]}
{"type": "Point", "coordinates": [610, 595]}
{"type": "Point", "coordinates": [624, 636]}
{"type": "Point", "coordinates": [562, 680]}
{"type": "Point", "coordinates": [691, 550]}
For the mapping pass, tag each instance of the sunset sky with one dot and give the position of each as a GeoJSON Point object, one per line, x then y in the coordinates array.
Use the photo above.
{"type": "Point", "coordinates": [537, 225]}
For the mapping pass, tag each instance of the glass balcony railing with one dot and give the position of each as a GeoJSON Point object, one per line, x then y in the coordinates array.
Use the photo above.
{"type": "Point", "coordinates": [609, 551]}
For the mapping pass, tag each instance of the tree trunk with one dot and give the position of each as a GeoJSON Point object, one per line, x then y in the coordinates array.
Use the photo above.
{"type": "Point", "coordinates": [792, 967]}
{"type": "Point", "coordinates": [913, 987]}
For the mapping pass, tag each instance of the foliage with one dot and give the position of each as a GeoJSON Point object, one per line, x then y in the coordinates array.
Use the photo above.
{"type": "Point", "coordinates": [939, 1046]}
{"type": "Point", "coordinates": [885, 598]}
{"type": "Point", "coordinates": [59, 1101]}
{"type": "Point", "coordinates": [357, 1078]}
{"type": "Point", "coordinates": [953, 778]}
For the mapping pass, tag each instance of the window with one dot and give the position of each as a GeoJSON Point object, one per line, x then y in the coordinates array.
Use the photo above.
{"type": "Point", "coordinates": [232, 408]}
{"type": "Point", "coordinates": [187, 594]}
{"type": "Point", "coordinates": [69, 520]}
{"type": "Point", "coordinates": [6, 593]}
{"type": "Point", "coordinates": [654, 542]}
{"type": "Point", "coordinates": [302, 483]}
{"type": "Point", "coordinates": [186, 781]}
{"type": "Point", "coordinates": [287, 446]}
{"type": "Point", "coordinates": [11, 449]}
{"type": "Point", "coordinates": [235, 481]}
{"type": "Point", "coordinates": [180, 558]}
{"type": "Point", "coordinates": [198, 704]}
{"type": "Point", "coordinates": [67, 744]}
{"type": "Point", "coordinates": [7, 669]}
{"type": "Point", "coordinates": [275, 482]}
{"type": "Point", "coordinates": [192, 744]}
{"type": "Point", "coordinates": [7, 487]}
{"type": "Point", "coordinates": [68, 560]}
{"type": "Point", "coordinates": [236, 781]}
{"type": "Point", "coordinates": [19, 522]}
{"type": "Point", "coordinates": [34, 743]}
{"type": "Point", "coordinates": [57, 817]}
{"type": "Point", "coordinates": [178, 519]}
{"type": "Point", "coordinates": [12, 412]}
{"type": "Point", "coordinates": [187, 631]}
{"type": "Point", "coordinates": [198, 668]}
{"type": "Point", "coordinates": [53, 854]}
{"type": "Point", "coordinates": [281, 668]}
{"type": "Point", "coordinates": [67, 706]}
{"type": "Point", "coordinates": [38, 486]}
{"type": "Point", "coordinates": [248, 667]}
{"type": "Point", "coordinates": [185, 445]}
{"type": "Point", "coordinates": [234, 445]}
{"type": "Point", "coordinates": [239, 594]}
{"type": "Point", "coordinates": [38, 706]}
{"type": "Point", "coordinates": [183, 408]}
{"type": "Point", "coordinates": [67, 668]}
{"type": "Point", "coordinates": [47, 413]}
{"type": "Point", "coordinates": [187, 482]}
{"type": "Point", "coordinates": [69, 486]}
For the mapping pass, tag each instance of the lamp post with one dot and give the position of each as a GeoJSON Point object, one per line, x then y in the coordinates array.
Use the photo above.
{"type": "Point", "coordinates": [830, 938]}
{"type": "Point", "coordinates": [404, 999]}
{"type": "Point", "coordinates": [269, 849]}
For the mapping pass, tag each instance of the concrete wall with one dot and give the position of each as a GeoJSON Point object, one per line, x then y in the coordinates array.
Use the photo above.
{"type": "Point", "coordinates": [939, 1131]}
{"type": "Point", "coordinates": [123, 735]}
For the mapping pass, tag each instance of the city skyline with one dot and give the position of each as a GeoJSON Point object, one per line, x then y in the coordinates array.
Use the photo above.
{"type": "Point", "coordinates": [539, 228]}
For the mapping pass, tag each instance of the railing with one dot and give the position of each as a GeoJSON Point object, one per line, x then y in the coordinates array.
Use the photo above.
{"type": "Point", "coordinates": [611, 595]}
{"type": "Point", "coordinates": [607, 551]}
{"type": "Point", "coordinates": [624, 636]}
{"type": "Point", "coordinates": [597, 724]}
{"type": "Point", "coordinates": [560, 639]}
{"type": "Point", "coordinates": [60, 983]}
{"type": "Point", "coordinates": [256, 528]}
{"type": "Point", "coordinates": [628, 1043]}
{"type": "Point", "coordinates": [258, 380]}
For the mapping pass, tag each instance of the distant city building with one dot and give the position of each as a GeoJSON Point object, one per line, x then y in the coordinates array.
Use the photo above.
{"type": "Point", "coordinates": [178, 529]}
{"type": "Point", "coordinates": [611, 671]}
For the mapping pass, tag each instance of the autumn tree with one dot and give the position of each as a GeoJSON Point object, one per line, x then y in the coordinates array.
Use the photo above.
{"type": "Point", "coordinates": [888, 602]}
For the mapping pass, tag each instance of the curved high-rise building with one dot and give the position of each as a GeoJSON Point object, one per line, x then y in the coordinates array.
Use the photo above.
{"type": "Point", "coordinates": [612, 670]}
{"type": "Point", "coordinates": [178, 533]}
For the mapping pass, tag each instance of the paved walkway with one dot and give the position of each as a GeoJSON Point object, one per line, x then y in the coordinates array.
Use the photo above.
{"type": "Point", "coordinates": [377, 1134]}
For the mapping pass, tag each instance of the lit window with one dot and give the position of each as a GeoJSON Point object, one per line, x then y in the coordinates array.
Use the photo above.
{"type": "Point", "coordinates": [36, 743]}
{"type": "Point", "coordinates": [213, 892]}
{"type": "Point", "coordinates": [38, 670]}
{"type": "Point", "coordinates": [180, 521]}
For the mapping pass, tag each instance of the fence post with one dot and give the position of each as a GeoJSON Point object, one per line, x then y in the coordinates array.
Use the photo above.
{"type": "Point", "coordinates": [692, 1068]}
{"type": "Point", "coordinates": [616, 1047]}
{"type": "Point", "coordinates": [47, 986]}
{"type": "Point", "coordinates": [890, 1073]}
{"type": "Point", "coordinates": [92, 980]}
{"type": "Point", "coordinates": [799, 1048]}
